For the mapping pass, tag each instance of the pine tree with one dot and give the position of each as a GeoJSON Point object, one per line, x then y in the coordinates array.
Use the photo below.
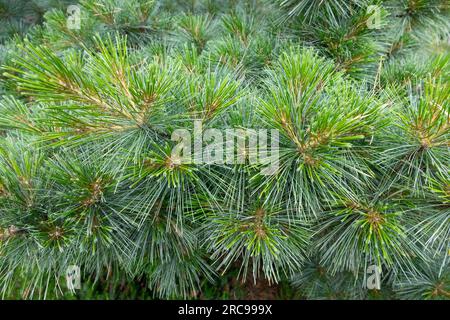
{"type": "Point", "coordinates": [357, 90]}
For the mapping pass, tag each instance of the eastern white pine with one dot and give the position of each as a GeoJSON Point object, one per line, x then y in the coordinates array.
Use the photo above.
{"type": "Point", "coordinates": [358, 91]}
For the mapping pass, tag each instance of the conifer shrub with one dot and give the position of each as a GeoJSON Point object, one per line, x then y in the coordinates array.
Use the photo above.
{"type": "Point", "coordinates": [355, 94]}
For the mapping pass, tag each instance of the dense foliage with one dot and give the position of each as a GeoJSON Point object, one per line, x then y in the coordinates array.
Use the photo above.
{"type": "Point", "coordinates": [358, 91]}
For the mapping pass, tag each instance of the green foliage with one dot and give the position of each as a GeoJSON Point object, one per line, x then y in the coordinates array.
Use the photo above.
{"type": "Point", "coordinates": [88, 176]}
